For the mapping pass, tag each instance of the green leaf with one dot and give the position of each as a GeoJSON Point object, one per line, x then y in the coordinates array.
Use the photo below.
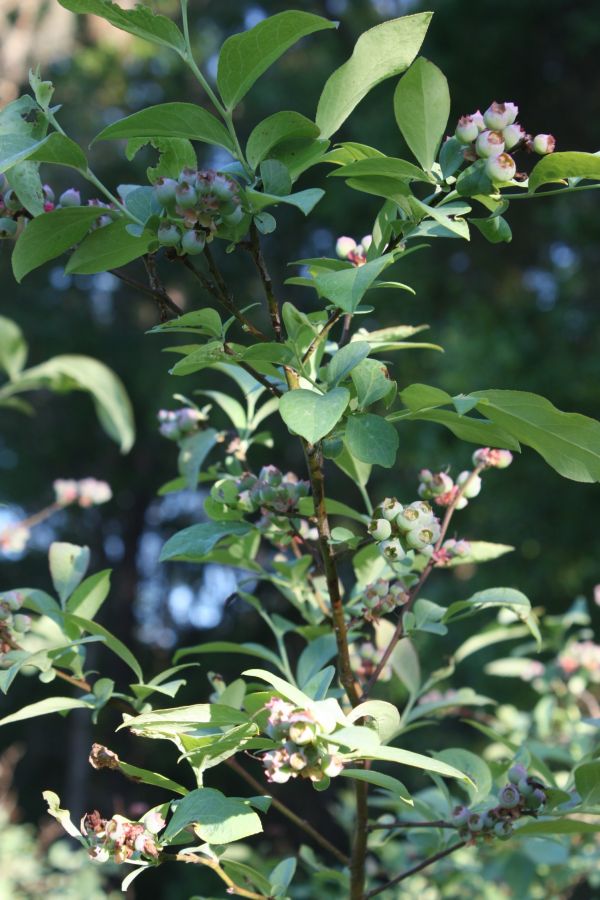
{"type": "Point", "coordinates": [45, 707]}
{"type": "Point", "coordinates": [286, 689]}
{"type": "Point", "coordinates": [408, 758]}
{"type": "Point", "coordinates": [510, 598]}
{"type": "Point", "coordinates": [313, 415]}
{"type": "Point", "coordinates": [281, 876]}
{"type": "Point", "coordinates": [68, 565]}
{"type": "Point", "coordinates": [108, 248]}
{"type": "Point", "coordinates": [314, 656]}
{"type": "Point", "coordinates": [347, 287]}
{"type": "Point", "coordinates": [587, 782]}
{"type": "Point", "coordinates": [82, 373]}
{"type": "Point", "coordinates": [557, 826]}
{"type": "Point", "coordinates": [200, 321]}
{"type": "Point", "coordinates": [139, 21]}
{"type": "Point", "coordinates": [344, 361]}
{"type": "Point", "coordinates": [385, 715]}
{"type": "Point", "coordinates": [381, 52]}
{"type": "Point", "coordinates": [49, 236]}
{"type": "Point", "coordinates": [245, 57]}
{"type": "Point", "coordinates": [372, 439]}
{"type": "Point", "coordinates": [194, 543]}
{"type": "Point", "coordinates": [387, 782]}
{"type": "Point", "coordinates": [466, 428]}
{"type": "Point", "coordinates": [358, 471]}
{"type": "Point", "coordinates": [55, 148]}
{"type": "Point", "coordinates": [183, 719]}
{"type": "Point", "coordinates": [13, 347]}
{"type": "Point", "coordinates": [175, 154]}
{"type": "Point", "coordinates": [422, 107]}
{"type": "Point", "coordinates": [280, 127]}
{"type": "Point", "coordinates": [382, 166]}
{"type": "Point", "coordinates": [372, 382]}
{"type": "Point", "coordinates": [170, 120]}
{"type": "Point", "coordinates": [473, 766]}
{"type": "Point", "coordinates": [245, 649]}
{"type": "Point", "coordinates": [559, 166]}
{"type": "Point", "coordinates": [193, 451]}
{"type": "Point", "coordinates": [405, 663]}
{"type": "Point", "coordinates": [455, 225]}
{"type": "Point", "coordinates": [495, 229]}
{"type": "Point", "coordinates": [305, 201]}
{"type": "Point", "coordinates": [87, 599]}
{"type": "Point", "coordinates": [275, 177]}
{"type": "Point", "coordinates": [217, 819]}
{"type": "Point", "coordinates": [117, 646]}
{"type": "Point", "coordinates": [569, 442]}
{"type": "Point", "coordinates": [154, 778]}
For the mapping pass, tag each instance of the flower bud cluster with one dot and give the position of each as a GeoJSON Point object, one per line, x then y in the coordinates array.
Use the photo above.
{"type": "Point", "coordinates": [523, 795]}
{"type": "Point", "coordinates": [382, 597]}
{"type": "Point", "coordinates": [11, 208]}
{"type": "Point", "coordinates": [305, 751]}
{"type": "Point", "coordinates": [13, 624]}
{"type": "Point", "coordinates": [119, 839]}
{"type": "Point", "coordinates": [490, 136]}
{"type": "Point", "coordinates": [271, 489]}
{"type": "Point", "coordinates": [398, 529]}
{"type": "Point", "coordinates": [195, 205]}
{"type": "Point", "coordinates": [176, 424]}
{"type": "Point", "coordinates": [452, 549]}
{"type": "Point", "coordinates": [583, 658]}
{"type": "Point", "coordinates": [365, 658]}
{"type": "Point", "coordinates": [87, 492]}
{"type": "Point", "coordinates": [347, 248]}
{"type": "Point", "coordinates": [14, 539]}
{"type": "Point", "coordinates": [443, 490]}
{"type": "Point", "coordinates": [492, 458]}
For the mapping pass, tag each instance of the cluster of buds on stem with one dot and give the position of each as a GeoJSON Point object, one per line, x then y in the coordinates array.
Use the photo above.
{"type": "Point", "coordinates": [304, 751]}
{"type": "Point", "coordinates": [194, 206]}
{"type": "Point", "coordinates": [490, 136]}
{"type": "Point", "coordinates": [381, 598]}
{"type": "Point", "coordinates": [11, 208]}
{"type": "Point", "coordinates": [176, 424]}
{"type": "Point", "coordinates": [119, 839]}
{"type": "Point", "coordinates": [270, 490]}
{"type": "Point", "coordinates": [14, 539]}
{"type": "Point", "coordinates": [398, 529]}
{"type": "Point", "coordinates": [524, 795]}
{"type": "Point", "coordinates": [347, 248]}
{"type": "Point", "coordinates": [13, 624]}
{"type": "Point", "coordinates": [444, 491]}
{"type": "Point", "coordinates": [491, 458]}
{"type": "Point", "coordinates": [365, 657]}
{"type": "Point", "coordinates": [580, 659]}
{"type": "Point", "coordinates": [87, 492]}
{"type": "Point", "coordinates": [450, 550]}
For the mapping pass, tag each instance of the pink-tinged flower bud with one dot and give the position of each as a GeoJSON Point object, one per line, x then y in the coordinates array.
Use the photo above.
{"type": "Point", "coordinates": [71, 197]}
{"type": "Point", "coordinates": [500, 169]}
{"type": "Point", "coordinates": [93, 492]}
{"type": "Point", "coordinates": [467, 130]}
{"type": "Point", "coordinates": [66, 491]}
{"type": "Point", "coordinates": [489, 144]}
{"type": "Point", "coordinates": [496, 459]}
{"type": "Point", "coordinates": [164, 189]}
{"type": "Point", "coordinates": [499, 115]}
{"type": "Point", "coordinates": [513, 136]}
{"type": "Point", "coordinates": [154, 822]}
{"type": "Point", "coordinates": [48, 194]}
{"type": "Point", "coordinates": [303, 732]}
{"type": "Point", "coordinates": [332, 765]}
{"type": "Point", "coordinates": [366, 242]}
{"type": "Point", "coordinates": [168, 234]}
{"type": "Point", "coordinates": [8, 228]}
{"type": "Point", "coordinates": [477, 117]}
{"type": "Point", "coordinates": [193, 242]}
{"type": "Point", "coordinates": [344, 247]}
{"type": "Point", "coordinates": [543, 144]}
{"type": "Point", "coordinates": [380, 529]}
{"type": "Point", "coordinates": [472, 482]}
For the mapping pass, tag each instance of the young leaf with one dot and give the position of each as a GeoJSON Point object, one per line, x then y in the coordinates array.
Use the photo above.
{"type": "Point", "coordinates": [13, 347]}
{"type": "Point", "coordinates": [246, 649]}
{"type": "Point", "coordinates": [372, 382]}
{"type": "Point", "coordinates": [347, 287]}
{"type": "Point", "coordinates": [87, 599]}
{"type": "Point", "coordinates": [193, 451]}
{"type": "Point", "coordinates": [387, 782]}
{"type": "Point", "coordinates": [140, 21]}
{"type": "Point", "coordinates": [305, 201]}
{"type": "Point", "coordinates": [344, 361]}
{"type": "Point", "coordinates": [495, 229]}
{"type": "Point", "coordinates": [559, 166]}
{"type": "Point", "coordinates": [217, 819]}
{"type": "Point", "coordinates": [281, 876]}
{"type": "Point", "coordinates": [276, 129]}
{"type": "Point", "coordinates": [54, 148]}
{"type": "Point", "coordinates": [50, 235]}
{"type": "Point", "coordinates": [381, 52]}
{"type": "Point", "coordinates": [473, 766]}
{"type": "Point", "coordinates": [284, 687]}
{"type": "Point", "coordinates": [45, 707]}
{"type": "Point", "coordinates": [372, 439]}
{"type": "Point", "coordinates": [557, 826]}
{"type": "Point", "coordinates": [194, 543]}
{"type": "Point", "coordinates": [244, 57]}
{"type": "Point", "coordinates": [408, 758]}
{"type": "Point", "coordinates": [383, 166]}
{"type": "Point", "coordinates": [569, 442]}
{"type": "Point", "coordinates": [422, 107]}
{"type": "Point", "coordinates": [313, 415]}
{"type": "Point", "coordinates": [117, 646]}
{"type": "Point", "coordinates": [62, 815]}
{"type": "Point", "coordinates": [108, 248]}
{"type": "Point", "coordinates": [68, 565]}
{"type": "Point", "coordinates": [314, 656]}
{"type": "Point", "coordinates": [386, 716]}
{"type": "Point", "coordinates": [170, 120]}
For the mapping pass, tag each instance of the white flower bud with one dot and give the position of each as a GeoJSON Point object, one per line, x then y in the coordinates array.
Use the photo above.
{"type": "Point", "coordinates": [489, 143]}
{"type": "Point", "coordinates": [344, 247]}
{"type": "Point", "coordinates": [467, 130]}
{"type": "Point", "coordinates": [543, 144]}
{"type": "Point", "coordinates": [499, 115]}
{"type": "Point", "coordinates": [474, 484]}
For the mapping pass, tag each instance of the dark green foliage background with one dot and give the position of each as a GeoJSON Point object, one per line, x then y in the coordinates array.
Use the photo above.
{"type": "Point", "coordinates": [497, 330]}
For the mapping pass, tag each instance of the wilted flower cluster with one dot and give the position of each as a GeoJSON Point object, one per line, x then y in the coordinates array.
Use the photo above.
{"type": "Point", "coordinates": [347, 248]}
{"type": "Point", "coordinates": [176, 424]}
{"type": "Point", "coordinates": [490, 136]}
{"type": "Point", "coordinates": [195, 205]}
{"type": "Point", "coordinates": [382, 597]}
{"type": "Point", "coordinates": [87, 492]}
{"type": "Point", "coordinates": [523, 795]}
{"type": "Point", "coordinates": [304, 750]}
{"type": "Point", "coordinates": [365, 657]}
{"type": "Point", "coordinates": [271, 489]}
{"type": "Point", "coordinates": [119, 839]}
{"type": "Point", "coordinates": [443, 490]}
{"type": "Point", "coordinates": [398, 529]}
{"type": "Point", "coordinates": [13, 624]}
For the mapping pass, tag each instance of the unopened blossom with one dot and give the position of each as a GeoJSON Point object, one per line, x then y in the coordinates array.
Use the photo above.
{"type": "Point", "coordinates": [498, 115]}
{"type": "Point", "coordinates": [489, 143]}
{"type": "Point", "coordinates": [492, 458]}
{"type": "Point", "coordinates": [66, 491]}
{"type": "Point", "coordinates": [14, 540]}
{"type": "Point", "coordinates": [543, 144]}
{"type": "Point", "coordinates": [501, 168]}
{"type": "Point", "coordinates": [92, 492]}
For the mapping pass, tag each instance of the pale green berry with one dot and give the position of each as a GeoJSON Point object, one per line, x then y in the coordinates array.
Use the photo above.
{"type": "Point", "coordinates": [165, 191]}
{"type": "Point", "coordinates": [500, 169]}
{"type": "Point", "coordinates": [70, 197]}
{"type": "Point", "coordinates": [466, 130]}
{"type": "Point", "coordinates": [380, 529]}
{"type": "Point", "coordinates": [489, 144]}
{"type": "Point", "coordinates": [392, 550]}
{"type": "Point", "coordinates": [471, 484]}
{"type": "Point", "coordinates": [390, 508]}
{"type": "Point", "coordinates": [513, 135]}
{"type": "Point", "coordinates": [168, 234]}
{"type": "Point", "coordinates": [499, 115]}
{"type": "Point", "coordinates": [193, 242]}
{"type": "Point", "coordinates": [543, 144]}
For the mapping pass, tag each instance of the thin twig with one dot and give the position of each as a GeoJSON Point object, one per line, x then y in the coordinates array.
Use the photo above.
{"type": "Point", "coordinates": [380, 826]}
{"type": "Point", "coordinates": [221, 294]}
{"type": "Point", "coordinates": [317, 837]}
{"type": "Point", "coordinates": [415, 590]}
{"type": "Point", "coordinates": [267, 283]}
{"type": "Point", "coordinates": [333, 318]}
{"type": "Point", "coordinates": [345, 336]}
{"type": "Point", "coordinates": [272, 388]}
{"type": "Point", "coordinates": [418, 868]}
{"type": "Point", "coordinates": [232, 887]}
{"type": "Point", "coordinates": [148, 292]}
{"type": "Point", "coordinates": [158, 288]}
